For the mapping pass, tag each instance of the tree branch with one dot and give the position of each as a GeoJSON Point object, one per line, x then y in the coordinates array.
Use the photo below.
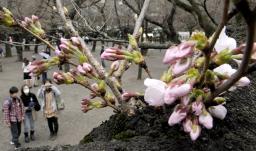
{"type": "Point", "coordinates": [207, 51]}
{"type": "Point", "coordinates": [138, 24]}
{"type": "Point", "coordinates": [243, 7]}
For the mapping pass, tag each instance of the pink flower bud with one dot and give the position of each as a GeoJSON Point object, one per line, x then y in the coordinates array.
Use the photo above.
{"type": "Point", "coordinates": [87, 67]}
{"type": "Point", "coordinates": [115, 65]}
{"type": "Point", "coordinates": [206, 120]}
{"type": "Point", "coordinates": [197, 107]}
{"type": "Point", "coordinates": [196, 130]}
{"type": "Point", "coordinates": [57, 52]}
{"type": "Point", "coordinates": [185, 100]}
{"type": "Point", "coordinates": [34, 18]}
{"type": "Point", "coordinates": [244, 81]}
{"type": "Point", "coordinates": [187, 125]}
{"type": "Point", "coordinates": [75, 41]}
{"type": "Point", "coordinates": [180, 66]}
{"type": "Point", "coordinates": [218, 111]}
{"type": "Point", "coordinates": [24, 24]}
{"type": "Point", "coordinates": [176, 52]}
{"type": "Point", "coordinates": [28, 20]}
{"type": "Point", "coordinates": [64, 41]}
{"type": "Point", "coordinates": [176, 92]}
{"type": "Point", "coordinates": [179, 114]}
{"type": "Point", "coordinates": [81, 69]}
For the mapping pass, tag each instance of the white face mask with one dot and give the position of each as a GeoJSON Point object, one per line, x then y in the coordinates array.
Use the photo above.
{"type": "Point", "coordinates": [26, 90]}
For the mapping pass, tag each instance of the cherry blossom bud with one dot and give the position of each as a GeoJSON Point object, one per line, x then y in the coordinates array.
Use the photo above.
{"type": "Point", "coordinates": [176, 52]}
{"type": "Point", "coordinates": [179, 113]}
{"type": "Point", "coordinates": [75, 41]}
{"type": "Point", "coordinates": [206, 119]}
{"type": "Point", "coordinates": [28, 20]}
{"type": "Point", "coordinates": [244, 81]}
{"type": "Point", "coordinates": [196, 130]}
{"type": "Point", "coordinates": [197, 107]}
{"type": "Point", "coordinates": [34, 18]}
{"type": "Point", "coordinates": [57, 52]}
{"type": "Point", "coordinates": [218, 111]}
{"type": "Point", "coordinates": [187, 125]}
{"type": "Point", "coordinates": [81, 69]}
{"type": "Point", "coordinates": [87, 67]}
{"type": "Point", "coordinates": [115, 65]}
{"type": "Point", "coordinates": [172, 93]}
{"type": "Point", "coordinates": [181, 66]}
{"type": "Point", "coordinates": [6, 17]}
{"type": "Point", "coordinates": [185, 100]}
{"type": "Point", "coordinates": [200, 39]}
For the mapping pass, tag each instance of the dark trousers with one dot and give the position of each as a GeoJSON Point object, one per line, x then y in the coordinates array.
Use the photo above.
{"type": "Point", "coordinates": [44, 76]}
{"type": "Point", "coordinates": [15, 130]}
{"type": "Point", "coordinates": [53, 125]}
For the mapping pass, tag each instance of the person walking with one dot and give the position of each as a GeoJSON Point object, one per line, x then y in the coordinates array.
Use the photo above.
{"type": "Point", "coordinates": [49, 95]}
{"type": "Point", "coordinates": [13, 110]}
{"type": "Point", "coordinates": [31, 105]}
{"type": "Point", "coordinates": [26, 77]}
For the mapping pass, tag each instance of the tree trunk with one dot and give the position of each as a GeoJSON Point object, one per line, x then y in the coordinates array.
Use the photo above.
{"type": "Point", "coordinates": [19, 53]}
{"type": "Point", "coordinates": [8, 50]}
{"type": "Point", "coordinates": [94, 46]}
{"type": "Point", "coordinates": [36, 47]}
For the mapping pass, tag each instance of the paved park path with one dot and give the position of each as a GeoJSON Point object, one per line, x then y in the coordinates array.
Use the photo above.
{"type": "Point", "coordinates": [74, 124]}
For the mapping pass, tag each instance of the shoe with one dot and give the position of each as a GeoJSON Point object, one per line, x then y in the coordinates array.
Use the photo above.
{"type": "Point", "coordinates": [51, 137]}
{"type": "Point", "coordinates": [32, 137]}
{"type": "Point", "coordinates": [27, 139]}
{"type": "Point", "coordinates": [11, 142]}
{"type": "Point", "coordinates": [17, 146]}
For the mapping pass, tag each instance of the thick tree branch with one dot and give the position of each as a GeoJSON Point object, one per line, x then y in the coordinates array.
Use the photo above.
{"type": "Point", "coordinates": [138, 24]}
{"type": "Point", "coordinates": [243, 7]}
{"type": "Point", "coordinates": [207, 51]}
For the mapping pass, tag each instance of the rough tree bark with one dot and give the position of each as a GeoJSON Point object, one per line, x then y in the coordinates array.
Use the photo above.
{"type": "Point", "coordinates": [194, 8]}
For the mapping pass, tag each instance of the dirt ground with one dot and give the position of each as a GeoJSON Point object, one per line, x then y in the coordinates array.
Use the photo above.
{"type": "Point", "coordinates": [74, 124]}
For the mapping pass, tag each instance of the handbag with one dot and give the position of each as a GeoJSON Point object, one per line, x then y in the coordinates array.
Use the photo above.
{"type": "Point", "coordinates": [60, 103]}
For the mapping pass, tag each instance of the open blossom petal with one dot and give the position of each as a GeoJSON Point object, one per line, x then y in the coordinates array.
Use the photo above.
{"type": "Point", "coordinates": [218, 111]}
{"type": "Point", "coordinates": [244, 81]}
{"type": "Point", "coordinates": [206, 120]}
{"type": "Point", "coordinates": [154, 96]}
{"type": "Point", "coordinates": [177, 52]}
{"type": "Point", "coordinates": [177, 115]}
{"type": "Point", "coordinates": [225, 42]}
{"type": "Point", "coordinates": [224, 69]}
{"type": "Point", "coordinates": [154, 83]}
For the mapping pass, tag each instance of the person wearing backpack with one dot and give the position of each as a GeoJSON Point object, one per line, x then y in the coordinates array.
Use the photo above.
{"type": "Point", "coordinates": [13, 110]}
{"type": "Point", "coordinates": [49, 95]}
{"type": "Point", "coordinates": [31, 105]}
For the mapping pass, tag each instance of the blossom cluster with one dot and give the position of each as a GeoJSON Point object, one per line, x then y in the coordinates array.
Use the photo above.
{"type": "Point", "coordinates": [34, 25]}
{"type": "Point", "coordinates": [179, 86]}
